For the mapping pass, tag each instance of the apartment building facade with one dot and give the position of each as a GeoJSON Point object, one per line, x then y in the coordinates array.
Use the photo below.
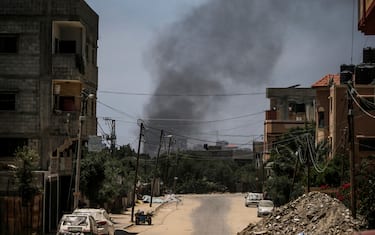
{"type": "Point", "coordinates": [325, 107]}
{"type": "Point", "coordinates": [48, 71]}
{"type": "Point", "coordinates": [352, 89]}
{"type": "Point", "coordinates": [290, 107]}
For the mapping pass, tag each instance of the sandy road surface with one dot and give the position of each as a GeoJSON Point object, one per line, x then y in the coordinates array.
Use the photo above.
{"type": "Point", "coordinates": [219, 214]}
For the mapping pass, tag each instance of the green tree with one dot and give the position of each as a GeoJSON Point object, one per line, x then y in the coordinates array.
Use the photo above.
{"type": "Point", "coordinates": [287, 157]}
{"type": "Point", "coordinates": [247, 176]}
{"type": "Point", "coordinates": [366, 191]}
{"type": "Point", "coordinates": [93, 176]}
{"type": "Point", "coordinates": [26, 162]}
{"type": "Point", "coordinates": [334, 175]}
{"type": "Point", "coordinates": [106, 176]}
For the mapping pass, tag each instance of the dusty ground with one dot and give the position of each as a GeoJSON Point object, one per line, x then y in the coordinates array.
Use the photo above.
{"type": "Point", "coordinates": [219, 214]}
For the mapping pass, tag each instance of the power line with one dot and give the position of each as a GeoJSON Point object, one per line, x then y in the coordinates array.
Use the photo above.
{"type": "Point", "coordinates": [352, 90]}
{"type": "Point", "coordinates": [180, 95]}
{"type": "Point", "coordinates": [117, 110]}
{"type": "Point", "coordinates": [202, 121]}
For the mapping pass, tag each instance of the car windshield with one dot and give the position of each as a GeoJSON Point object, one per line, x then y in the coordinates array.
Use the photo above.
{"type": "Point", "coordinates": [255, 196]}
{"type": "Point", "coordinates": [98, 215]}
{"type": "Point", "coordinates": [75, 220]}
{"type": "Point", "coordinates": [266, 203]}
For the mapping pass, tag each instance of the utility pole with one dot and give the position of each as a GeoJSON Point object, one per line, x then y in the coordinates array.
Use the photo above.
{"type": "Point", "coordinates": [156, 167]}
{"type": "Point", "coordinates": [136, 170]}
{"type": "Point", "coordinates": [166, 179]}
{"type": "Point", "coordinates": [112, 136]}
{"type": "Point", "coordinates": [308, 170]}
{"type": "Point", "coordinates": [78, 163]}
{"type": "Point", "coordinates": [84, 97]}
{"type": "Point", "coordinates": [353, 198]}
{"type": "Point", "coordinates": [175, 178]}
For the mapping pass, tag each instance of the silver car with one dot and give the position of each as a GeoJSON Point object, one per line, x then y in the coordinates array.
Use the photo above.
{"type": "Point", "coordinates": [253, 199]}
{"type": "Point", "coordinates": [265, 207]}
{"type": "Point", "coordinates": [103, 221]}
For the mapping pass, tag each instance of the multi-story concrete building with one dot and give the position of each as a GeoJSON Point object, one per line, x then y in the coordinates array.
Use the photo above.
{"type": "Point", "coordinates": [334, 98]}
{"type": "Point", "coordinates": [366, 16]}
{"type": "Point", "coordinates": [324, 109]}
{"type": "Point", "coordinates": [290, 107]}
{"type": "Point", "coordinates": [48, 67]}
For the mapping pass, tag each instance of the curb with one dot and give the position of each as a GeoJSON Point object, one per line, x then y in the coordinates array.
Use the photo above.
{"type": "Point", "coordinates": [128, 226]}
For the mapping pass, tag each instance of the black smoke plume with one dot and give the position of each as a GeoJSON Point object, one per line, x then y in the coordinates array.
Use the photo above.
{"type": "Point", "coordinates": [219, 43]}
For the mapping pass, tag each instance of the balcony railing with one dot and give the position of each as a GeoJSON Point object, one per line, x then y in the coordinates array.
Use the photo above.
{"type": "Point", "coordinates": [67, 66]}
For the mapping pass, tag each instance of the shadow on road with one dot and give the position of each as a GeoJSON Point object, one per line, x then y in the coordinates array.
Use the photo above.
{"type": "Point", "coordinates": [123, 232]}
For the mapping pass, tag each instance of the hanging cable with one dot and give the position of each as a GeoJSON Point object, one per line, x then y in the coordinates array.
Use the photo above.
{"type": "Point", "coordinates": [352, 90]}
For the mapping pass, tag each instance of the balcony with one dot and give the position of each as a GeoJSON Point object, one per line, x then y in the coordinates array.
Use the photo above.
{"type": "Point", "coordinates": [281, 126]}
{"type": "Point", "coordinates": [67, 66]}
{"type": "Point", "coordinates": [61, 165]}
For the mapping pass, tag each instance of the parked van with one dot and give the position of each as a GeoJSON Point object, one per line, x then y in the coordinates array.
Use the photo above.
{"type": "Point", "coordinates": [253, 199]}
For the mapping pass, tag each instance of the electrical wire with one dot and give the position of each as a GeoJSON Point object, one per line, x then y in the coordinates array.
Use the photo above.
{"type": "Point", "coordinates": [198, 121]}
{"type": "Point", "coordinates": [117, 110]}
{"type": "Point", "coordinates": [359, 105]}
{"type": "Point", "coordinates": [314, 160]}
{"type": "Point", "coordinates": [180, 95]}
{"type": "Point", "coordinates": [203, 121]}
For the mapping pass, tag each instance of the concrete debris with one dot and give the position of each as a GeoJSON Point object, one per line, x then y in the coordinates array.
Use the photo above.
{"type": "Point", "coordinates": [311, 214]}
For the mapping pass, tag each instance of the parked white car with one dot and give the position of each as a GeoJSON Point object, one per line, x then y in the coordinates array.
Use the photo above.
{"type": "Point", "coordinates": [77, 224]}
{"type": "Point", "coordinates": [265, 207]}
{"type": "Point", "coordinates": [103, 221]}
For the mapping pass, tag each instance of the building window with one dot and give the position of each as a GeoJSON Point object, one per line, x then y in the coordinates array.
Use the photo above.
{"type": "Point", "coordinates": [367, 144]}
{"type": "Point", "coordinates": [321, 119]}
{"type": "Point", "coordinates": [67, 46]}
{"type": "Point", "coordinates": [8, 102]}
{"type": "Point", "coordinates": [66, 95]}
{"type": "Point", "coordinates": [8, 43]}
{"type": "Point", "coordinates": [66, 103]}
{"type": "Point", "coordinates": [8, 146]}
{"type": "Point", "coordinates": [297, 108]}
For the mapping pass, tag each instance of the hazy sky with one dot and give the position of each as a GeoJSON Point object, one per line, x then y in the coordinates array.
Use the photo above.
{"type": "Point", "coordinates": [200, 47]}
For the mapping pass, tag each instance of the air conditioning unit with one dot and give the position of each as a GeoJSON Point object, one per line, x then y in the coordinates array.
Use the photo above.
{"type": "Point", "coordinates": [364, 73]}
{"type": "Point", "coordinates": [346, 73]}
{"type": "Point", "coordinates": [368, 55]}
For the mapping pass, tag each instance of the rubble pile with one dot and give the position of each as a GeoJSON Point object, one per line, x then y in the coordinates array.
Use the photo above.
{"type": "Point", "coordinates": [312, 213]}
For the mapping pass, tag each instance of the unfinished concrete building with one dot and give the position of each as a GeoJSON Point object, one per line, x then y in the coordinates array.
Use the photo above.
{"type": "Point", "coordinates": [48, 68]}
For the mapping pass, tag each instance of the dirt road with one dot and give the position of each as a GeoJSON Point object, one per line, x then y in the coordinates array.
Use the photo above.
{"type": "Point", "coordinates": [219, 214]}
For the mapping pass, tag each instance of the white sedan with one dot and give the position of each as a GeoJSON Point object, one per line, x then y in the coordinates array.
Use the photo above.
{"type": "Point", "coordinates": [103, 221]}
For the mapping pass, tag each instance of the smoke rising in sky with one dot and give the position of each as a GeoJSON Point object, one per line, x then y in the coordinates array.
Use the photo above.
{"type": "Point", "coordinates": [239, 43]}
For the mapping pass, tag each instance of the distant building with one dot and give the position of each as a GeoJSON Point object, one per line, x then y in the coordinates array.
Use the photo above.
{"type": "Point", "coordinates": [322, 88]}
{"type": "Point", "coordinates": [242, 156]}
{"type": "Point", "coordinates": [290, 107]}
{"type": "Point", "coordinates": [48, 66]}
